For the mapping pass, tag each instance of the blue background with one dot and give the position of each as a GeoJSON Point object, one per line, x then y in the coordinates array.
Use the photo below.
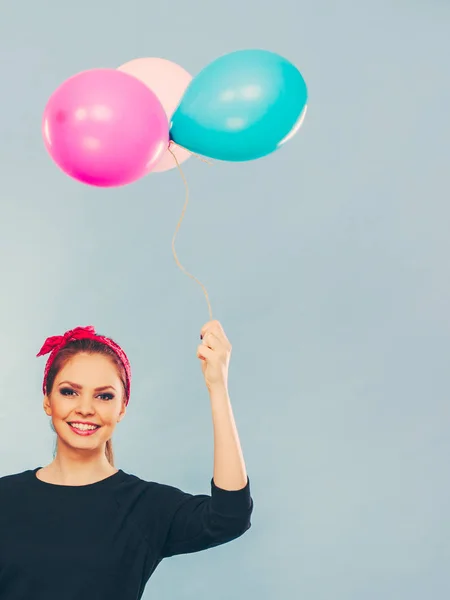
{"type": "Point", "coordinates": [327, 263]}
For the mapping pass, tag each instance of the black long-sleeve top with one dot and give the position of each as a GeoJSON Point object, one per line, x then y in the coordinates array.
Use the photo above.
{"type": "Point", "coordinates": [103, 541]}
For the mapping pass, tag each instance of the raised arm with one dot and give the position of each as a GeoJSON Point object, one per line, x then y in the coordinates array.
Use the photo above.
{"type": "Point", "coordinates": [201, 522]}
{"type": "Point", "coordinates": [215, 353]}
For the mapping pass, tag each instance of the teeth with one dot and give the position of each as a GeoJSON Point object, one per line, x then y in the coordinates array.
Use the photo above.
{"type": "Point", "coordinates": [83, 427]}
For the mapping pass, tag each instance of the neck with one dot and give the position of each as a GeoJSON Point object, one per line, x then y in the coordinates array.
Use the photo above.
{"type": "Point", "coordinates": [73, 468]}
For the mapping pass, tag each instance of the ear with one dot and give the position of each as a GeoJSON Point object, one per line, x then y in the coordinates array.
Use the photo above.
{"type": "Point", "coordinates": [47, 406]}
{"type": "Point", "coordinates": [123, 412]}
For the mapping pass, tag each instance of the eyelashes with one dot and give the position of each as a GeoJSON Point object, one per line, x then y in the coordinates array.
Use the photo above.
{"type": "Point", "coordinates": [66, 392]}
{"type": "Point", "coordinates": [70, 392]}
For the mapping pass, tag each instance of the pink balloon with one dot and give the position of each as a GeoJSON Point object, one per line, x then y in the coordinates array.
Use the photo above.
{"type": "Point", "coordinates": [168, 81]}
{"type": "Point", "coordinates": [105, 128]}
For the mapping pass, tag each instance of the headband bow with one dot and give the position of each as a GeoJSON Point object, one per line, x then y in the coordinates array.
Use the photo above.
{"type": "Point", "coordinates": [57, 342]}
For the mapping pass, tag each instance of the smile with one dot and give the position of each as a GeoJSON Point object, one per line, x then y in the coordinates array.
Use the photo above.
{"type": "Point", "coordinates": [81, 429]}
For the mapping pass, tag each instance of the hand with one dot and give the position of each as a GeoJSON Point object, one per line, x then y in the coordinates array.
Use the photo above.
{"type": "Point", "coordinates": [214, 353]}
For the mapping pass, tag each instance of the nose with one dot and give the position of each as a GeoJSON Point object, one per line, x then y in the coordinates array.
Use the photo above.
{"type": "Point", "coordinates": [85, 406]}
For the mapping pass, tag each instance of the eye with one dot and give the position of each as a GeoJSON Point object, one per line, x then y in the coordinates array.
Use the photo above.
{"type": "Point", "coordinates": [67, 391]}
{"type": "Point", "coordinates": [106, 397]}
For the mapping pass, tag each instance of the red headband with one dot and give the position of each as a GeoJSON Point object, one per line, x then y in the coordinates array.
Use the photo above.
{"type": "Point", "coordinates": [58, 342]}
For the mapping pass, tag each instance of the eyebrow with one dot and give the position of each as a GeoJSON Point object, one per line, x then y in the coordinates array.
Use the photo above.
{"type": "Point", "coordinates": [79, 387]}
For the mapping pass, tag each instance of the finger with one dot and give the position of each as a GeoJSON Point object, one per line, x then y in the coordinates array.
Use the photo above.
{"type": "Point", "coordinates": [217, 331]}
{"type": "Point", "coordinates": [211, 341]}
{"type": "Point", "coordinates": [214, 326]}
{"type": "Point", "coordinates": [204, 353]}
{"type": "Point", "coordinates": [220, 341]}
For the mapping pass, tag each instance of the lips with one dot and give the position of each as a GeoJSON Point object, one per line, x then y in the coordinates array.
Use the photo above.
{"type": "Point", "coordinates": [83, 432]}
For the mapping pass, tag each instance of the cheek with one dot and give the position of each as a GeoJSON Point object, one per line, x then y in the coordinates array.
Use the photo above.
{"type": "Point", "coordinates": [57, 410]}
{"type": "Point", "coordinates": [109, 413]}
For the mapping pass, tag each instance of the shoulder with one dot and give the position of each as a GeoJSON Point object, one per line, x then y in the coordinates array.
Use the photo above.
{"type": "Point", "coordinates": [152, 490]}
{"type": "Point", "coordinates": [152, 505]}
{"type": "Point", "coordinates": [148, 497]}
{"type": "Point", "coordinates": [16, 479]}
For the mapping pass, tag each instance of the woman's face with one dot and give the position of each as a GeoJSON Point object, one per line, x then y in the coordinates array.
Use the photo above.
{"type": "Point", "coordinates": [86, 402]}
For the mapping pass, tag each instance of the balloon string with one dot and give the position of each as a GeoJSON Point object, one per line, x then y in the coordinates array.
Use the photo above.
{"type": "Point", "coordinates": [180, 266]}
{"type": "Point", "coordinates": [202, 158]}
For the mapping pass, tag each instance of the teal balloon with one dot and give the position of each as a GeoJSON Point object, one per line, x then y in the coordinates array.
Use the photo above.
{"type": "Point", "coordinates": [241, 107]}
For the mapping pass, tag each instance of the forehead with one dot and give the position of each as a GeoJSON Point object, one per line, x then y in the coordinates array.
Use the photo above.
{"type": "Point", "coordinates": [89, 369]}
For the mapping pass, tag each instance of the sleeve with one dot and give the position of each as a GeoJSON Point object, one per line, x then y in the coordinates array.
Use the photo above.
{"type": "Point", "coordinates": [200, 522]}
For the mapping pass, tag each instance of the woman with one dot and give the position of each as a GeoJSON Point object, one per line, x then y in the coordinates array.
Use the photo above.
{"type": "Point", "coordinates": [79, 527]}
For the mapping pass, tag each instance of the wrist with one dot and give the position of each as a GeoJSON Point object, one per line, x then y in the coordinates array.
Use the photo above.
{"type": "Point", "coordinates": [218, 391]}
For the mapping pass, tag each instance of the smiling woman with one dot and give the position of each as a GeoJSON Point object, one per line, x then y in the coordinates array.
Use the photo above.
{"type": "Point", "coordinates": [67, 370]}
{"type": "Point", "coordinates": [137, 523]}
